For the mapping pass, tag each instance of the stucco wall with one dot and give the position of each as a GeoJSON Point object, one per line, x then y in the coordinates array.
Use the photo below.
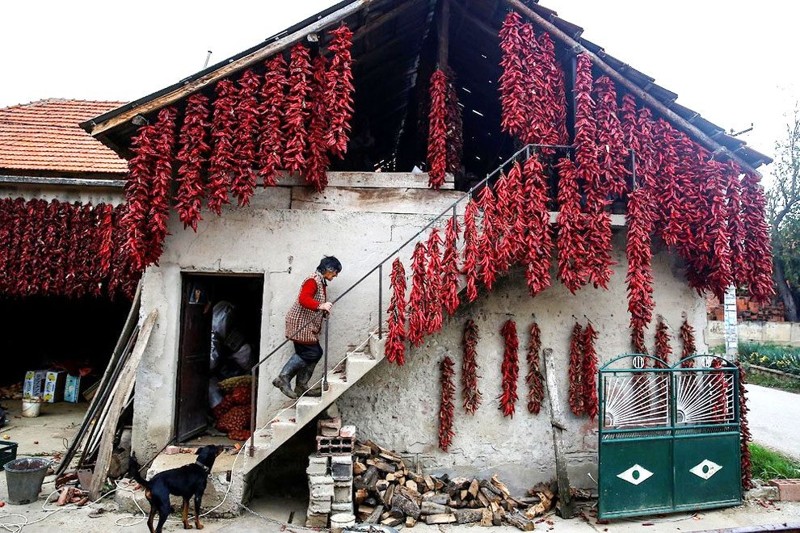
{"type": "Point", "coordinates": [398, 407]}
{"type": "Point", "coordinates": [784, 333]}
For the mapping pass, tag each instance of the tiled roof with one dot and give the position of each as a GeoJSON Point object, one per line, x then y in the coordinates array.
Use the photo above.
{"type": "Point", "coordinates": [45, 136]}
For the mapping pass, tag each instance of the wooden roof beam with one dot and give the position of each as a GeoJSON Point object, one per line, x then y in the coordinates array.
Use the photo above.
{"type": "Point", "coordinates": [578, 48]}
{"type": "Point", "coordinates": [234, 66]}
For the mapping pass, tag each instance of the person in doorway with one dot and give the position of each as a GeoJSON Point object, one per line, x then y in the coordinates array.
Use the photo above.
{"type": "Point", "coordinates": [230, 354]}
{"type": "Point", "coordinates": [303, 325]}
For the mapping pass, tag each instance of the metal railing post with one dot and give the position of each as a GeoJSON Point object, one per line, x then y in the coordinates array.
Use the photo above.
{"type": "Point", "coordinates": [325, 373]}
{"type": "Point", "coordinates": [253, 404]}
{"type": "Point", "coordinates": [380, 301]}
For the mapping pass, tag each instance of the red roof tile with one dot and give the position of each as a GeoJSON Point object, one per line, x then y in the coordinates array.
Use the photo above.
{"type": "Point", "coordinates": [45, 136]}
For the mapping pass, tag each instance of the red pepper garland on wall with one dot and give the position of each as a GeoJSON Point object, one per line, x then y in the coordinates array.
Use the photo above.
{"type": "Point", "coordinates": [433, 284]}
{"type": "Point", "coordinates": [317, 159]}
{"type": "Point", "coordinates": [395, 349]}
{"type": "Point", "coordinates": [534, 376]}
{"type": "Point", "coordinates": [744, 430]}
{"type": "Point", "coordinates": [471, 250]}
{"type": "Point", "coordinates": [455, 127]}
{"type": "Point", "coordinates": [450, 271]}
{"type": "Point", "coordinates": [271, 141]}
{"type": "Point", "coordinates": [221, 162]}
{"type": "Point", "coordinates": [161, 185]}
{"type": "Point", "coordinates": [570, 240]}
{"type": "Point", "coordinates": [611, 149]}
{"type": "Point", "coordinates": [339, 91]}
{"type": "Point", "coordinates": [192, 155]}
{"type": "Point", "coordinates": [689, 348]}
{"type": "Point", "coordinates": [469, 368]}
{"type": "Point", "coordinates": [447, 405]}
{"type": "Point", "coordinates": [296, 111]}
{"type": "Point", "coordinates": [437, 130]}
{"type": "Point", "coordinates": [509, 368]}
{"type": "Point", "coordinates": [539, 236]}
{"type": "Point", "coordinates": [244, 146]}
{"type": "Point", "coordinates": [758, 249]}
{"type": "Point", "coordinates": [663, 348]}
{"type": "Point", "coordinates": [137, 192]}
{"type": "Point", "coordinates": [514, 96]}
{"type": "Point", "coordinates": [576, 370]}
{"type": "Point", "coordinates": [417, 304]}
{"type": "Point", "coordinates": [589, 369]}
{"type": "Point", "coordinates": [487, 253]}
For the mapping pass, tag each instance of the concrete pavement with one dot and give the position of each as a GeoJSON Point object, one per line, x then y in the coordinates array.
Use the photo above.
{"type": "Point", "coordinates": [774, 418]}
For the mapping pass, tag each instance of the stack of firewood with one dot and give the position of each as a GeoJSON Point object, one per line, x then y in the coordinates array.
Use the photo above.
{"type": "Point", "coordinates": [388, 492]}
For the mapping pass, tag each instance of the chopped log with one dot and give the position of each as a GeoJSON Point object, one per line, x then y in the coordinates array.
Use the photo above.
{"type": "Point", "coordinates": [473, 488]}
{"type": "Point", "coordinates": [411, 485]}
{"type": "Point", "coordinates": [474, 504]}
{"type": "Point", "coordinates": [435, 497]}
{"type": "Point", "coordinates": [500, 486]}
{"type": "Point", "coordinates": [489, 495]}
{"type": "Point", "coordinates": [390, 456]}
{"type": "Point", "coordinates": [491, 488]}
{"type": "Point", "coordinates": [446, 518]}
{"type": "Point", "coordinates": [392, 521]}
{"type": "Point", "coordinates": [382, 485]}
{"type": "Point", "coordinates": [401, 480]}
{"type": "Point", "coordinates": [361, 450]}
{"type": "Point", "coordinates": [486, 518]}
{"type": "Point", "coordinates": [520, 521]}
{"type": "Point", "coordinates": [370, 478]}
{"type": "Point", "coordinates": [375, 515]}
{"type": "Point", "coordinates": [365, 509]}
{"type": "Point", "coordinates": [416, 478]}
{"type": "Point", "coordinates": [429, 507]}
{"type": "Point", "coordinates": [390, 478]}
{"type": "Point", "coordinates": [438, 484]}
{"type": "Point", "coordinates": [463, 494]}
{"type": "Point", "coordinates": [374, 449]}
{"type": "Point", "coordinates": [497, 518]}
{"type": "Point", "coordinates": [388, 495]}
{"type": "Point", "coordinates": [468, 516]}
{"type": "Point", "coordinates": [359, 468]}
{"type": "Point", "coordinates": [410, 494]}
{"type": "Point", "coordinates": [429, 482]}
{"type": "Point", "coordinates": [483, 499]}
{"type": "Point", "coordinates": [404, 505]}
{"type": "Point", "coordinates": [383, 466]}
{"type": "Point", "coordinates": [411, 521]}
{"type": "Point", "coordinates": [460, 482]}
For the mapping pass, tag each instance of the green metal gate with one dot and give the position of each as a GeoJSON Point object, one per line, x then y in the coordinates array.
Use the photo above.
{"type": "Point", "coordinates": [669, 437]}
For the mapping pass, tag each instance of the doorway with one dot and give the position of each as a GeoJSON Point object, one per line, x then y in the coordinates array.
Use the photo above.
{"type": "Point", "coordinates": [219, 340]}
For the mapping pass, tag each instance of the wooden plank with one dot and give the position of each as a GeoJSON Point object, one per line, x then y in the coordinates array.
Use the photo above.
{"type": "Point", "coordinates": [230, 68]}
{"type": "Point", "coordinates": [63, 182]}
{"type": "Point", "coordinates": [565, 504]}
{"type": "Point", "coordinates": [400, 201]}
{"type": "Point", "coordinates": [122, 394]}
{"type": "Point", "coordinates": [383, 180]}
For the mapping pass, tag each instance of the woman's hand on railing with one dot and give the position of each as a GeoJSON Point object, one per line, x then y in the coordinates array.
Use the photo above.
{"type": "Point", "coordinates": [325, 306]}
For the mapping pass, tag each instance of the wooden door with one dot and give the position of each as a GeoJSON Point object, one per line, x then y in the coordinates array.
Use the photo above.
{"type": "Point", "coordinates": [193, 371]}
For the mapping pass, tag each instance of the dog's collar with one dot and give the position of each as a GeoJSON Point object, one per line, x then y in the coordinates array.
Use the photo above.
{"type": "Point", "coordinates": [206, 469]}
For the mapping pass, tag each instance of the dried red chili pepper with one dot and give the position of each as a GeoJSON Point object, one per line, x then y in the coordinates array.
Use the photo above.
{"type": "Point", "coordinates": [450, 271]}
{"type": "Point", "coordinates": [689, 348]}
{"type": "Point", "coordinates": [758, 248]}
{"type": "Point", "coordinates": [339, 91]}
{"type": "Point", "coordinates": [192, 156]}
{"type": "Point", "coordinates": [736, 228]}
{"type": "Point", "coordinates": [539, 233]}
{"type": "Point", "coordinates": [719, 389]}
{"type": "Point", "coordinates": [534, 378]}
{"type": "Point", "coordinates": [106, 235]}
{"type": "Point", "coordinates": [296, 109]}
{"type": "Point", "coordinates": [509, 368]}
{"type": "Point", "coordinates": [471, 250]}
{"type": "Point", "coordinates": [487, 254]}
{"type": "Point", "coordinates": [243, 182]}
{"type": "Point", "coordinates": [395, 339]}
{"type": "Point", "coordinates": [6, 251]}
{"type": "Point", "coordinates": [221, 162]}
{"type": "Point", "coordinates": [141, 168]}
{"type": "Point", "coordinates": [570, 241]}
{"type": "Point", "coordinates": [437, 130]}
{"type": "Point", "coordinates": [271, 141]}
{"type": "Point", "coordinates": [503, 220]}
{"type": "Point", "coordinates": [663, 348]}
{"type": "Point", "coordinates": [455, 127]}
{"type": "Point", "coordinates": [744, 430]}
{"type": "Point", "coordinates": [576, 371]}
{"type": "Point", "coordinates": [514, 98]}
{"type": "Point", "coordinates": [316, 158]}
{"type": "Point", "coordinates": [612, 152]}
{"type": "Point", "coordinates": [589, 370]}
{"type": "Point", "coordinates": [447, 404]}
{"type": "Point", "coordinates": [433, 283]}
{"type": "Point", "coordinates": [161, 184]}
{"type": "Point", "coordinates": [417, 304]}
{"type": "Point", "coordinates": [640, 275]}
{"type": "Point", "coordinates": [469, 368]}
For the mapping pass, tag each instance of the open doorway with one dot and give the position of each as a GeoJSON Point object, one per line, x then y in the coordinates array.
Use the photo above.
{"type": "Point", "coordinates": [219, 341]}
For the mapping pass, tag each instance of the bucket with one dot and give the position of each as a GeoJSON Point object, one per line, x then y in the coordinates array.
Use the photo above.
{"type": "Point", "coordinates": [24, 478]}
{"type": "Point", "coordinates": [31, 407]}
{"type": "Point", "coordinates": [340, 521]}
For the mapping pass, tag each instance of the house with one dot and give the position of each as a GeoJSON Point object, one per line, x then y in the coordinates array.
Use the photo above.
{"type": "Point", "coordinates": [608, 157]}
{"type": "Point", "coordinates": [49, 165]}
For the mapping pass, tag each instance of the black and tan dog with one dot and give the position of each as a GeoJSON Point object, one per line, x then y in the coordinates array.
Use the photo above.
{"type": "Point", "coordinates": [186, 481]}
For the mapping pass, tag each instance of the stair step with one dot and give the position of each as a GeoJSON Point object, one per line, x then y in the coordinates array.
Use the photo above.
{"type": "Point", "coordinates": [282, 431]}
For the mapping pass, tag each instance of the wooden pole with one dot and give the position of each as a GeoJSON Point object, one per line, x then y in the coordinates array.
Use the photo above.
{"type": "Point", "coordinates": [565, 505]}
{"type": "Point", "coordinates": [444, 33]}
{"type": "Point", "coordinates": [637, 91]}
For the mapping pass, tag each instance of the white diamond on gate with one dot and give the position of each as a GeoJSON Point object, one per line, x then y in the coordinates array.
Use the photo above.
{"type": "Point", "coordinates": [635, 474]}
{"type": "Point", "coordinates": [706, 469]}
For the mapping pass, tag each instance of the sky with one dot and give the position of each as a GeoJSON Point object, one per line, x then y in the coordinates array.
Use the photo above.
{"type": "Point", "coordinates": [730, 60]}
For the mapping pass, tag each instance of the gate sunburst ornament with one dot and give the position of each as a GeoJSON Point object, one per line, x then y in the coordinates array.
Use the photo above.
{"type": "Point", "coordinates": [635, 474]}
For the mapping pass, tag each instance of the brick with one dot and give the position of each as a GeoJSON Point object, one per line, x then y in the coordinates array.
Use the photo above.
{"type": "Point", "coordinates": [317, 520]}
{"type": "Point", "coordinates": [348, 431]}
{"type": "Point", "coordinates": [319, 505]}
{"type": "Point", "coordinates": [788, 489]}
{"type": "Point", "coordinates": [342, 507]}
{"type": "Point", "coordinates": [317, 469]}
{"type": "Point", "coordinates": [343, 494]}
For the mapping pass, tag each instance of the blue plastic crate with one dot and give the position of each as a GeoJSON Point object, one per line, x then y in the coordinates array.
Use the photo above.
{"type": "Point", "coordinates": [8, 452]}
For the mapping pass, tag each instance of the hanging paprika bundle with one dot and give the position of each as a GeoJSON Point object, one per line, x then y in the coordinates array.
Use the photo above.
{"type": "Point", "coordinates": [161, 184]}
{"type": "Point", "coordinates": [455, 127]}
{"type": "Point", "coordinates": [243, 182]}
{"type": "Point", "coordinates": [639, 277]}
{"type": "Point", "coordinates": [663, 348]}
{"type": "Point", "coordinates": [534, 376]}
{"type": "Point", "coordinates": [503, 221]}
{"type": "Point", "coordinates": [437, 130]}
{"type": "Point", "coordinates": [570, 241]}
{"type": "Point", "coordinates": [576, 370]}
{"type": "Point", "coordinates": [137, 192]}
{"type": "Point", "coordinates": [338, 99]}
{"type": "Point", "coordinates": [487, 253]}
{"type": "Point", "coordinates": [744, 431]}
{"type": "Point", "coordinates": [509, 368]}
{"type": "Point", "coordinates": [469, 368]}
{"type": "Point", "coordinates": [221, 162]}
{"type": "Point", "coordinates": [271, 140]}
{"type": "Point", "coordinates": [471, 250]}
{"type": "Point", "coordinates": [513, 81]}
{"type": "Point", "coordinates": [719, 390]}
{"type": "Point", "coordinates": [395, 349]}
{"type": "Point", "coordinates": [758, 249]}
{"type": "Point", "coordinates": [589, 370]}
{"type": "Point", "coordinates": [192, 155]}
{"type": "Point", "coordinates": [450, 272]}
{"type": "Point", "coordinates": [105, 233]}
{"type": "Point", "coordinates": [296, 108]}
{"type": "Point", "coordinates": [316, 158]}
{"type": "Point", "coordinates": [538, 235]}
{"type": "Point", "coordinates": [611, 150]}
{"type": "Point", "coordinates": [736, 228]}
{"type": "Point", "coordinates": [549, 85]}
{"type": "Point", "coordinates": [447, 404]}
{"type": "Point", "coordinates": [433, 284]}
{"type": "Point", "coordinates": [417, 304]}
{"type": "Point", "coordinates": [689, 348]}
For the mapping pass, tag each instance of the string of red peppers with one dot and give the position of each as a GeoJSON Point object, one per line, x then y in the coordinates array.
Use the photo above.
{"type": "Point", "coordinates": [296, 111]}
{"type": "Point", "coordinates": [221, 162]}
{"type": "Point", "coordinates": [663, 349]}
{"type": "Point", "coordinates": [395, 349]}
{"type": "Point", "coordinates": [689, 348]}
{"type": "Point", "coordinates": [534, 376]}
{"type": "Point", "coordinates": [589, 370]}
{"type": "Point", "coordinates": [487, 253]}
{"type": "Point", "coordinates": [159, 198]}
{"type": "Point", "coordinates": [513, 82]}
{"type": "Point", "coordinates": [570, 241]}
{"type": "Point", "coordinates": [433, 284]}
{"type": "Point", "coordinates": [455, 127]}
{"type": "Point", "coordinates": [471, 250]}
{"type": "Point", "coordinates": [744, 431]}
{"type": "Point", "coordinates": [450, 270]}
{"type": "Point", "coordinates": [317, 159]}
{"type": "Point", "coordinates": [539, 236]}
{"type": "Point", "coordinates": [417, 304]}
{"type": "Point", "coordinates": [243, 182]}
{"type": "Point", "coordinates": [339, 91]}
{"type": "Point", "coordinates": [576, 370]}
{"type": "Point", "coordinates": [437, 130]}
{"type": "Point", "coordinates": [469, 368]}
{"type": "Point", "coordinates": [271, 141]}
{"type": "Point", "coordinates": [447, 405]}
{"type": "Point", "coordinates": [192, 155]}
{"type": "Point", "coordinates": [509, 368]}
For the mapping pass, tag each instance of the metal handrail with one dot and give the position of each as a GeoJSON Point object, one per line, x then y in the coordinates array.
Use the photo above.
{"type": "Point", "coordinates": [527, 149]}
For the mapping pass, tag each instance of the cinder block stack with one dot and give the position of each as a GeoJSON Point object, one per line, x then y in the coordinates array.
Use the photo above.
{"type": "Point", "coordinates": [330, 473]}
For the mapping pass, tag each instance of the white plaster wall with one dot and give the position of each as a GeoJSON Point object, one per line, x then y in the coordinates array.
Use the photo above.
{"type": "Point", "coordinates": [285, 246]}
{"type": "Point", "coordinates": [398, 406]}
{"type": "Point", "coordinates": [84, 196]}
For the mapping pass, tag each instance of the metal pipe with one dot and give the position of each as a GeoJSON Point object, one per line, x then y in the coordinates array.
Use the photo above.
{"type": "Point", "coordinates": [380, 301]}
{"type": "Point", "coordinates": [253, 404]}
{"type": "Point", "coordinates": [325, 370]}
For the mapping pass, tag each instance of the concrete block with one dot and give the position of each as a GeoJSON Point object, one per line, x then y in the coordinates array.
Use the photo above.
{"type": "Point", "coordinates": [343, 494]}
{"type": "Point", "coordinates": [317, 520]}
{"type": "Point", "coordinates": [788, 489]}
{"type": "Point", "coordinates": [315, 459]}
{"type": "Point", "coordinates": [319, 505]}
{"type": "Point", "coordinates": [342, 467]}
{"type": "Point", "coordinates": [321, 488]}
{"type": "Point", "coordinates": [317, 470]}
{"type": "Point", "coordinates": [342, 507]}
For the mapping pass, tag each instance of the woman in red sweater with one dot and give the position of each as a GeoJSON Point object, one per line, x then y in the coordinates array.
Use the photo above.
{"type": "Point", "coordinates": [303, 325]}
